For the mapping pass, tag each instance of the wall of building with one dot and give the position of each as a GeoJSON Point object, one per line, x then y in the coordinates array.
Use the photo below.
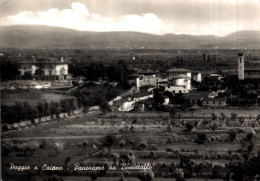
{"type": "Point", "coordinates": [172, 74]}
{"type": "Point", "coordinates": [241, 75]}
{"type": "Point", "coordinates": [176, 89]}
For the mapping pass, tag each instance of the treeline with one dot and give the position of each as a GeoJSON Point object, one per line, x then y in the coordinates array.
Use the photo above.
{"type": "Point", "coordinates": [114, 72]}
{"type": "Point", "coordinates": [24, 111]}
{"type": "Point", "coordinates": [8, 69]}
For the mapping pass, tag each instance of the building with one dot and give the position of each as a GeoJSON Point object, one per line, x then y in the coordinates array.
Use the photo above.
{"type": "Point", "coordinates": [149, 79]}
{"type": "Point", "coordinates": [214, 102]}
{"type": "Point", "coordinates": [179, 84]}
{"type": "Point", "coordinates": [196, 76]}
{"type": "Point", "coordinates": [251, 71]}
{"type": "Point", "coordinates": [178, 71]}
{"type": "Point", "coordinates": [240, 69]}
{"type": "Point", "coordinates": [44, 69]}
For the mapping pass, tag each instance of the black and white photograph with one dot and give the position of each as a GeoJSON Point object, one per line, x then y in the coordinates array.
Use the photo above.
{"type": "Point", "coordinates": [130, 90]}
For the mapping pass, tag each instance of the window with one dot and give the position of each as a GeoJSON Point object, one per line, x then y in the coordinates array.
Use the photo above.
{"type": "Point", "coordinates": [213, 102]}
{"type": "Point", "coordinates": [49, 72]}
{"type": "Point", "coordinates": [50, 66]}
{"type": "Point", "coordinates": [219, 103]}
{"type": "Point", "coordinates": [207, 102]}
{"type": "Point", "coordinates": [168, 86]}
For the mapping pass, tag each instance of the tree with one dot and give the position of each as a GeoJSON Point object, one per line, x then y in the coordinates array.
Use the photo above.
{"type": "Point", "coordinates": [55, 108]}
{"type": "Point", "coordinates": [41, 109]}
{"type": "Point", "coordinates": [27, 76]}
{"type": "Point", "coordinates": [233, 116]}
{"type": "Point", "coordinates": [189, 127]}
{"type": "Point", "coordinates": [201, 138]}
{"type": "Point", "coordinates": [232, 135]}
{"type": "Point", "coordinates": [146, 175]}
{"type": "Point", "coordinates": [29, 112]}
{"type": "Point", "coordinates": [104, 107]}
{"type": "Point", "coordinates": [110, 140]}
{"type": "Point", "coordinates": [158, 99]}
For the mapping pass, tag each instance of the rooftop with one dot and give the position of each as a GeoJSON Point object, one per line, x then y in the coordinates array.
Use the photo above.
{"type": "Point", "coordinates": [45, 60]}
{"type": "Point", "coordinates": [180, 77]}
{"type": "Point", "coordinates": [178, 70]}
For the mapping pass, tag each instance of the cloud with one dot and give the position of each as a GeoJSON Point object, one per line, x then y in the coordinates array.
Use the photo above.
{"type": "Point", "coordinates": [197, 17]}
{"type": "Point", "coordinates": [78, 17]}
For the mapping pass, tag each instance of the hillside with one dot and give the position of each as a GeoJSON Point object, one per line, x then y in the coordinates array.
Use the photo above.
{"type": "Point", "coordinates": [31, 36]}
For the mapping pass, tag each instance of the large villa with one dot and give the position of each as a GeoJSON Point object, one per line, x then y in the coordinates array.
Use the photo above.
{"type": "Point", "coordinates": [44, 69]}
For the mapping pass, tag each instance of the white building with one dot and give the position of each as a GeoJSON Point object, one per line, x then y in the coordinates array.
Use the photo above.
{"type": "Point", "coordinates": [44, 69]}
{"type": "Point", "coordinates": [251, 71]}
{"type": "Point", "coordinates": [149, 79]}
{"type": "Point", "coordinates": [179, 84]}
{"type": "Point", "coordinates": [241, 68]}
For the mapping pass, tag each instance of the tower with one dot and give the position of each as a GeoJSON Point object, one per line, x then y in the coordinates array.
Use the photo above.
{"type": "Point", "coordinates": [240, 69]}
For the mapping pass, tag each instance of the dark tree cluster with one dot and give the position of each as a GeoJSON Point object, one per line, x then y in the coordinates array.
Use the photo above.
{"type": "Point", "coordinates": [8, 69]}
{"type": "Point", "coordinates": [114, 72]}
{"type": "Point", "coordinates": [24, 111]}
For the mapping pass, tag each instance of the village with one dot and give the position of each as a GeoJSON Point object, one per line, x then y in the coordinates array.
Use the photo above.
{"type": "Point", "coordinates": [131, 112]}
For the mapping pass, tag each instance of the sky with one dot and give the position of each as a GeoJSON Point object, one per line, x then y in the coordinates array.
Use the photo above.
{"type": "Point", "coordinates": [195, 17]}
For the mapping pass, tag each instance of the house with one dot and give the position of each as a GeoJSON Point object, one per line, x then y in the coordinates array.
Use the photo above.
{"type": "Point", "coordinates": [214, 102]}
{"type": "Point", "coordinates": [144, 105]}
{"type": "Point", "coordinates": [196, 97]}
{"type": "Point", "coordinates": [146, 88]}
{"type": "Point", "coordinates": [195, 75]}
{"type": "Point", "coordinates": [149, 79]}
{"type": "Point", "coordinates": [44, 69]}
{"type": "Point", "coordinates": [216, 76]}
{"type": "Point", "coordinates": [127, 103]}
{"type": "Point", "coordinates": [166, 100]}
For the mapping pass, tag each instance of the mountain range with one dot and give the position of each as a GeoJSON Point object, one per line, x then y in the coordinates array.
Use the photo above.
{"type": "Point", "coordinates": [38, 36]}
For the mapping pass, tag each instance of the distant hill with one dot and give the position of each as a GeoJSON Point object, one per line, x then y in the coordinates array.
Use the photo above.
{"type": "Point", "coordinates": [33, 36]}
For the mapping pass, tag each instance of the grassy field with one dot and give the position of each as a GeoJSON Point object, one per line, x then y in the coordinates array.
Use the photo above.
{"type": "Point", "coordinates": [32, 97]}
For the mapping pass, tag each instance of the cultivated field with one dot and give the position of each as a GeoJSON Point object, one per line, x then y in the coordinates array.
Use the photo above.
{"type": "Point", "coordinates": [116, 138]}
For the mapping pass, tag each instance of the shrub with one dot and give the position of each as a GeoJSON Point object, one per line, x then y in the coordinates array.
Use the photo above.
{"type": "Point", "coordinates": [201, 138]}
{"type": "Point", "coordinates": [85, 143]}
{"type": "Point", "coordinates": [212, 139]}
{"type": "Point", "coordinates": [131, 141]}
{"type": "Point", "coordinates": [7, 147]}
{"type": "Point", "coordinates": [249, 136]}
{"type": "Point", "coordinates": [145, 175]}
{"type": "Point", "coordinates": [151, 154]}
{"type": "Point", "coordinates": [122, 143]}
{"type": "Point", "coordinates": [189, 127]}
{"type": "Point", "coordinates": [232, 135]}
{"type": "Point", "coordinates": [153, 147]}
{"type": "Point", "coordinates": [110, 140]}
{"type": "Point", "coordinates": [58, 147]}
{"type": "Point", "coordinates": [173, 150]}
{"type": "Point", "coordinates": [30, 146]}
{"type": "Point", "coordinates": [143, 145]}
{"type": "Point", "coordinates": [218, 138]}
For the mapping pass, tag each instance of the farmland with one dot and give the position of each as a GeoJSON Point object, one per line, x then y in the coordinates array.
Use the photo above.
{"type": "Point", "coordinates": [9, 97]}
{"type": "Point", "coordinates": [155, 138]}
